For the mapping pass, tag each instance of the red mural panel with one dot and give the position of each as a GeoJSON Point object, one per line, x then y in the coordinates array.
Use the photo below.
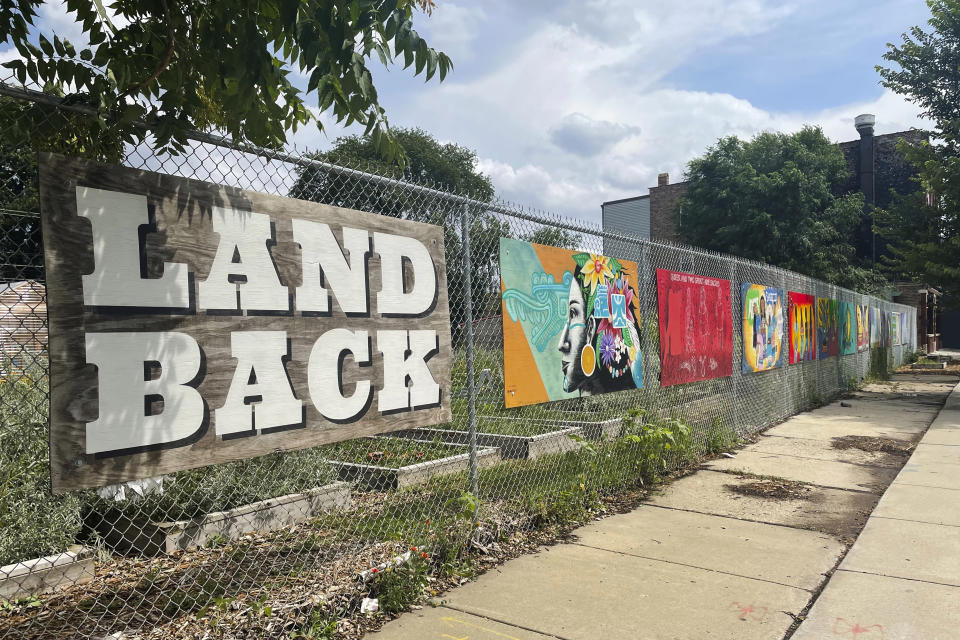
{"type": "Point", "coordinates": [803, 327]}
{"type": "Point", "coordinates": [696, 328]}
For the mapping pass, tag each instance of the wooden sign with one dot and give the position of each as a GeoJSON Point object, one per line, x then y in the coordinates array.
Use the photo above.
{"type": "Point", "coordinates": [192, 324]}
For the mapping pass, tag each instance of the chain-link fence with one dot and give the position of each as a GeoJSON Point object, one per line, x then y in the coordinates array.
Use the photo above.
{"type": "Point", "coordinates": [280, 546]}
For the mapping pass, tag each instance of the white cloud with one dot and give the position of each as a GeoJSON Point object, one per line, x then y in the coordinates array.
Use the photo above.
{"type": "Point", "coordinates": [55, 20]}
{"type": "Point", "coordinates": [589, 80]}
{"type": "Point", "coordinates": [584, 136]}
{"type": "Point", "coordinates": [453, 28]}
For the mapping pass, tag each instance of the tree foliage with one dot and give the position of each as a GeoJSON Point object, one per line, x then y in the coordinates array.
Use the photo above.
{"type": "Point", "coordinates": [774, 199]}
{"type": "Point", "coordinates": [449, 168]}
{"type": "Point", "coordinates": [554, 237]}
{"type": "Point", "coordinates": [28, 128]}
{"type": "Point", "coordinates": [924, 230]}
{"type": "Point", "coordinates": [223, 65]}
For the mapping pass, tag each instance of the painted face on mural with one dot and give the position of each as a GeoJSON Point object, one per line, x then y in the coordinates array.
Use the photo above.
{"type": "Point", "coordinates": [600, 344]}
{"type": "Point", "coordinates": [574, 338]}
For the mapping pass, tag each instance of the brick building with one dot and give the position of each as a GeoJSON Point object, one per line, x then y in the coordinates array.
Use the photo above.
{"type": "Point", "coordinates": [23, 326]}
{"type": "Point", "coordinates": [648, 216]}
{"type": "Point", "coordinates": [877, 169]}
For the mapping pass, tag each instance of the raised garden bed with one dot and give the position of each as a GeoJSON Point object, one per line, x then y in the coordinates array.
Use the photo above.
{"type": "Point", "coordinates": [391, 463]}
{"type": "Point", "coordinates": [43, 575]}
{"type": "Point", "coordinates": [929, 365]}
{"type": "Point", "coordinates": [605, 430]}
{"type": "Point", "coordinates": [129, 535]}
{"type": "Point", "coordinates": [590, 429]}
{"type": "Point", "coordinates": [510, 446]}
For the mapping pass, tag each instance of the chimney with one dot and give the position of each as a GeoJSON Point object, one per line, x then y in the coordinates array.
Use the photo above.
{"type": "Point", "coordinates": [663, 179]}
{"type": "Point", "coordinates": [864, 124]}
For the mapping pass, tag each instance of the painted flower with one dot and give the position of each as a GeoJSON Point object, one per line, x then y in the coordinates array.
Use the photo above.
{"type": "Point", "coordinates": [607, 348]}
{"type": "Point", "coordinates": [595, 271]}
{"type": "Point", "coordinates": [623, 287]}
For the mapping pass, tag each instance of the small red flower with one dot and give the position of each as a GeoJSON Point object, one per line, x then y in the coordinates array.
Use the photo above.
{"type": "Point", "coordinates": [428, 522]}
{"type": "Point", "coordinates": [414, 549]}
{"type": "Point", "coordinates": [424, 555]}
{"type": "Point", "coordinates": [375, 570]}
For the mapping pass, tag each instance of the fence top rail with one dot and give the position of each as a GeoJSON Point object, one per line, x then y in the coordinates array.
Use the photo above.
{"type": "Point", "coordinates": [304, 159]}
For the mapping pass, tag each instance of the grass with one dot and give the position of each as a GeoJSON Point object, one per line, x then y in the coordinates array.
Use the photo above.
{"type": "Point", "coordinates": [881, 359]}
{"type": "Point", "coordinates": [392, 453]}
{"type": "Point", "coordinates": [33, 523]}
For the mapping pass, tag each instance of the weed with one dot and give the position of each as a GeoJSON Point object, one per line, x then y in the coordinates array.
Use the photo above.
{"type": "Point", "coordinates": [721, 437]}
{"type": "Point", "coordinates": [880, 364]}
{"type": "Point", "coordinates": [216, 541]}
{"type": "Point", "coordinates": [400, 586]}
{"type": "Point", "coordinates": [319, 626]}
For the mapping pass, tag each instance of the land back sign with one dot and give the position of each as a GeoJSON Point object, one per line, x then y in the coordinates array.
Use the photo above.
{"type": "Point", "coordinates": [192, 324]}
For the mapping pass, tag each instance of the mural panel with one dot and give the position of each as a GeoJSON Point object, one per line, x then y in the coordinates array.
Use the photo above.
{"type": "Point", "coordinates": [876, 331]}
{"type": "Point", "coordinates": [803, 338]}
{"type": "Point", "coordinates": [847, 321]}
{"type": "Point", "coordinates": [696, 330]}
{"type": "Point", "coordinates": [571, 324]}
{"type": "Point", "coordinates": [894, 328]}
{"type": "Point", "coordinates": [863, 327]}
{"type": "Point", "coordinates": [827, 335]}
{"type": "Point", "coordinates": [763, 327]}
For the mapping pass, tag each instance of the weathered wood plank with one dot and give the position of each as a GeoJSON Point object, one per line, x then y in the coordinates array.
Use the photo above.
{"type": "Point", "coordinates": [182, 232]}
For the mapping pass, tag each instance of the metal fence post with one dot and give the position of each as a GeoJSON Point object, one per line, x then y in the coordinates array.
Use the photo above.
{"type": "Point", "coordinates": [471, 383]}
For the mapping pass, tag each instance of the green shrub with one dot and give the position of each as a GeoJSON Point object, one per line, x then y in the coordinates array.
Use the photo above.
{"type": "Point", "coordinates": [880, 363]}
{"type": "Point", "coordinates": [721, 437]}
{"type": "Point", "coordinates": [32, 522]}
{"type": "Point", "coordinates": [400, 586]}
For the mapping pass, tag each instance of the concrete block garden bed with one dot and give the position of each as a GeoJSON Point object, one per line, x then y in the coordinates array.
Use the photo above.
{"type": "Point", "coordinates": [603, 430]}
{"type": "Point", "coordinates": [128, 535]}
{"type": "Point", "coordinates": [510, 446]}
{"type": "Point", "coordinates": [43, 575]}
{"type": "Point", "coordinates": [391, 463]}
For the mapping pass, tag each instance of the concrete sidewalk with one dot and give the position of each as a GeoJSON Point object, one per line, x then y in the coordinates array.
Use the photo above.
{"type": "Point", "coordinates": [725, 553]}
{"type": "Point", "coordinates": [901, 580]}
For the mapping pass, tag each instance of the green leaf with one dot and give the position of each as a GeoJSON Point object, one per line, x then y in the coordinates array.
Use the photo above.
{"type": "Point", "coordinates": [45, 46]}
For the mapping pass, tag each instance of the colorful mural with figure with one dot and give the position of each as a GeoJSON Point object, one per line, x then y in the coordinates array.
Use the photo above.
{"type": "Point", "coordinates": [876, 331]}
{"type": "Point", "coordinates": [847, 328]}
{"type": "Point", "coordinates": [827, 337]}
{"type": "Point", "coordinates": [803, 336]}
{"type": "Point", "coordinates": [696, 331]}
{"type": "Point", "coordinates": [894, 328]}
{"type": "Point", "coordinates": [863, 327]}
{"type": "Point", "coordinates": [763, 327]}
{"type": "Point", "coordinates": [571, 323]}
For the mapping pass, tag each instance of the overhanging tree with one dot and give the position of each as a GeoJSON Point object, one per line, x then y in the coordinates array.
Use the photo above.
{"type": "Point", "coordinates": [224, 65]}
{"type": "Point", "coordinates": [774, 199]}
{"type": "Point", "coordinates": [450, 168]}
{"type": "Point", "coordinates": [924, 229]}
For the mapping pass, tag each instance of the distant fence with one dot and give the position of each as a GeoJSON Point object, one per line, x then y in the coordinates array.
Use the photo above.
{"type": "Point", "coordinates": [274, 544]}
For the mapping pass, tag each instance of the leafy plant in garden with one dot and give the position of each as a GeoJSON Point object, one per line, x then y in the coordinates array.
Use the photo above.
{"type": "Point", "coordinates": [32, 522]}
{"type": "Point", "coordinates": [655, 443]}
{"type": "Point", "coordinates": [720, 437]}
{"type": "Point", "coordinates": [401, 585]}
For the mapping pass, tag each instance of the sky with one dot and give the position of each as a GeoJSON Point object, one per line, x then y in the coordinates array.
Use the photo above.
{"type": "Point", "coordinates": [568, 104]}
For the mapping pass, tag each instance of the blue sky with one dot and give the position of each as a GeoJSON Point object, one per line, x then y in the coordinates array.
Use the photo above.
{"type": "Point", "coordinates": [571, 103]}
